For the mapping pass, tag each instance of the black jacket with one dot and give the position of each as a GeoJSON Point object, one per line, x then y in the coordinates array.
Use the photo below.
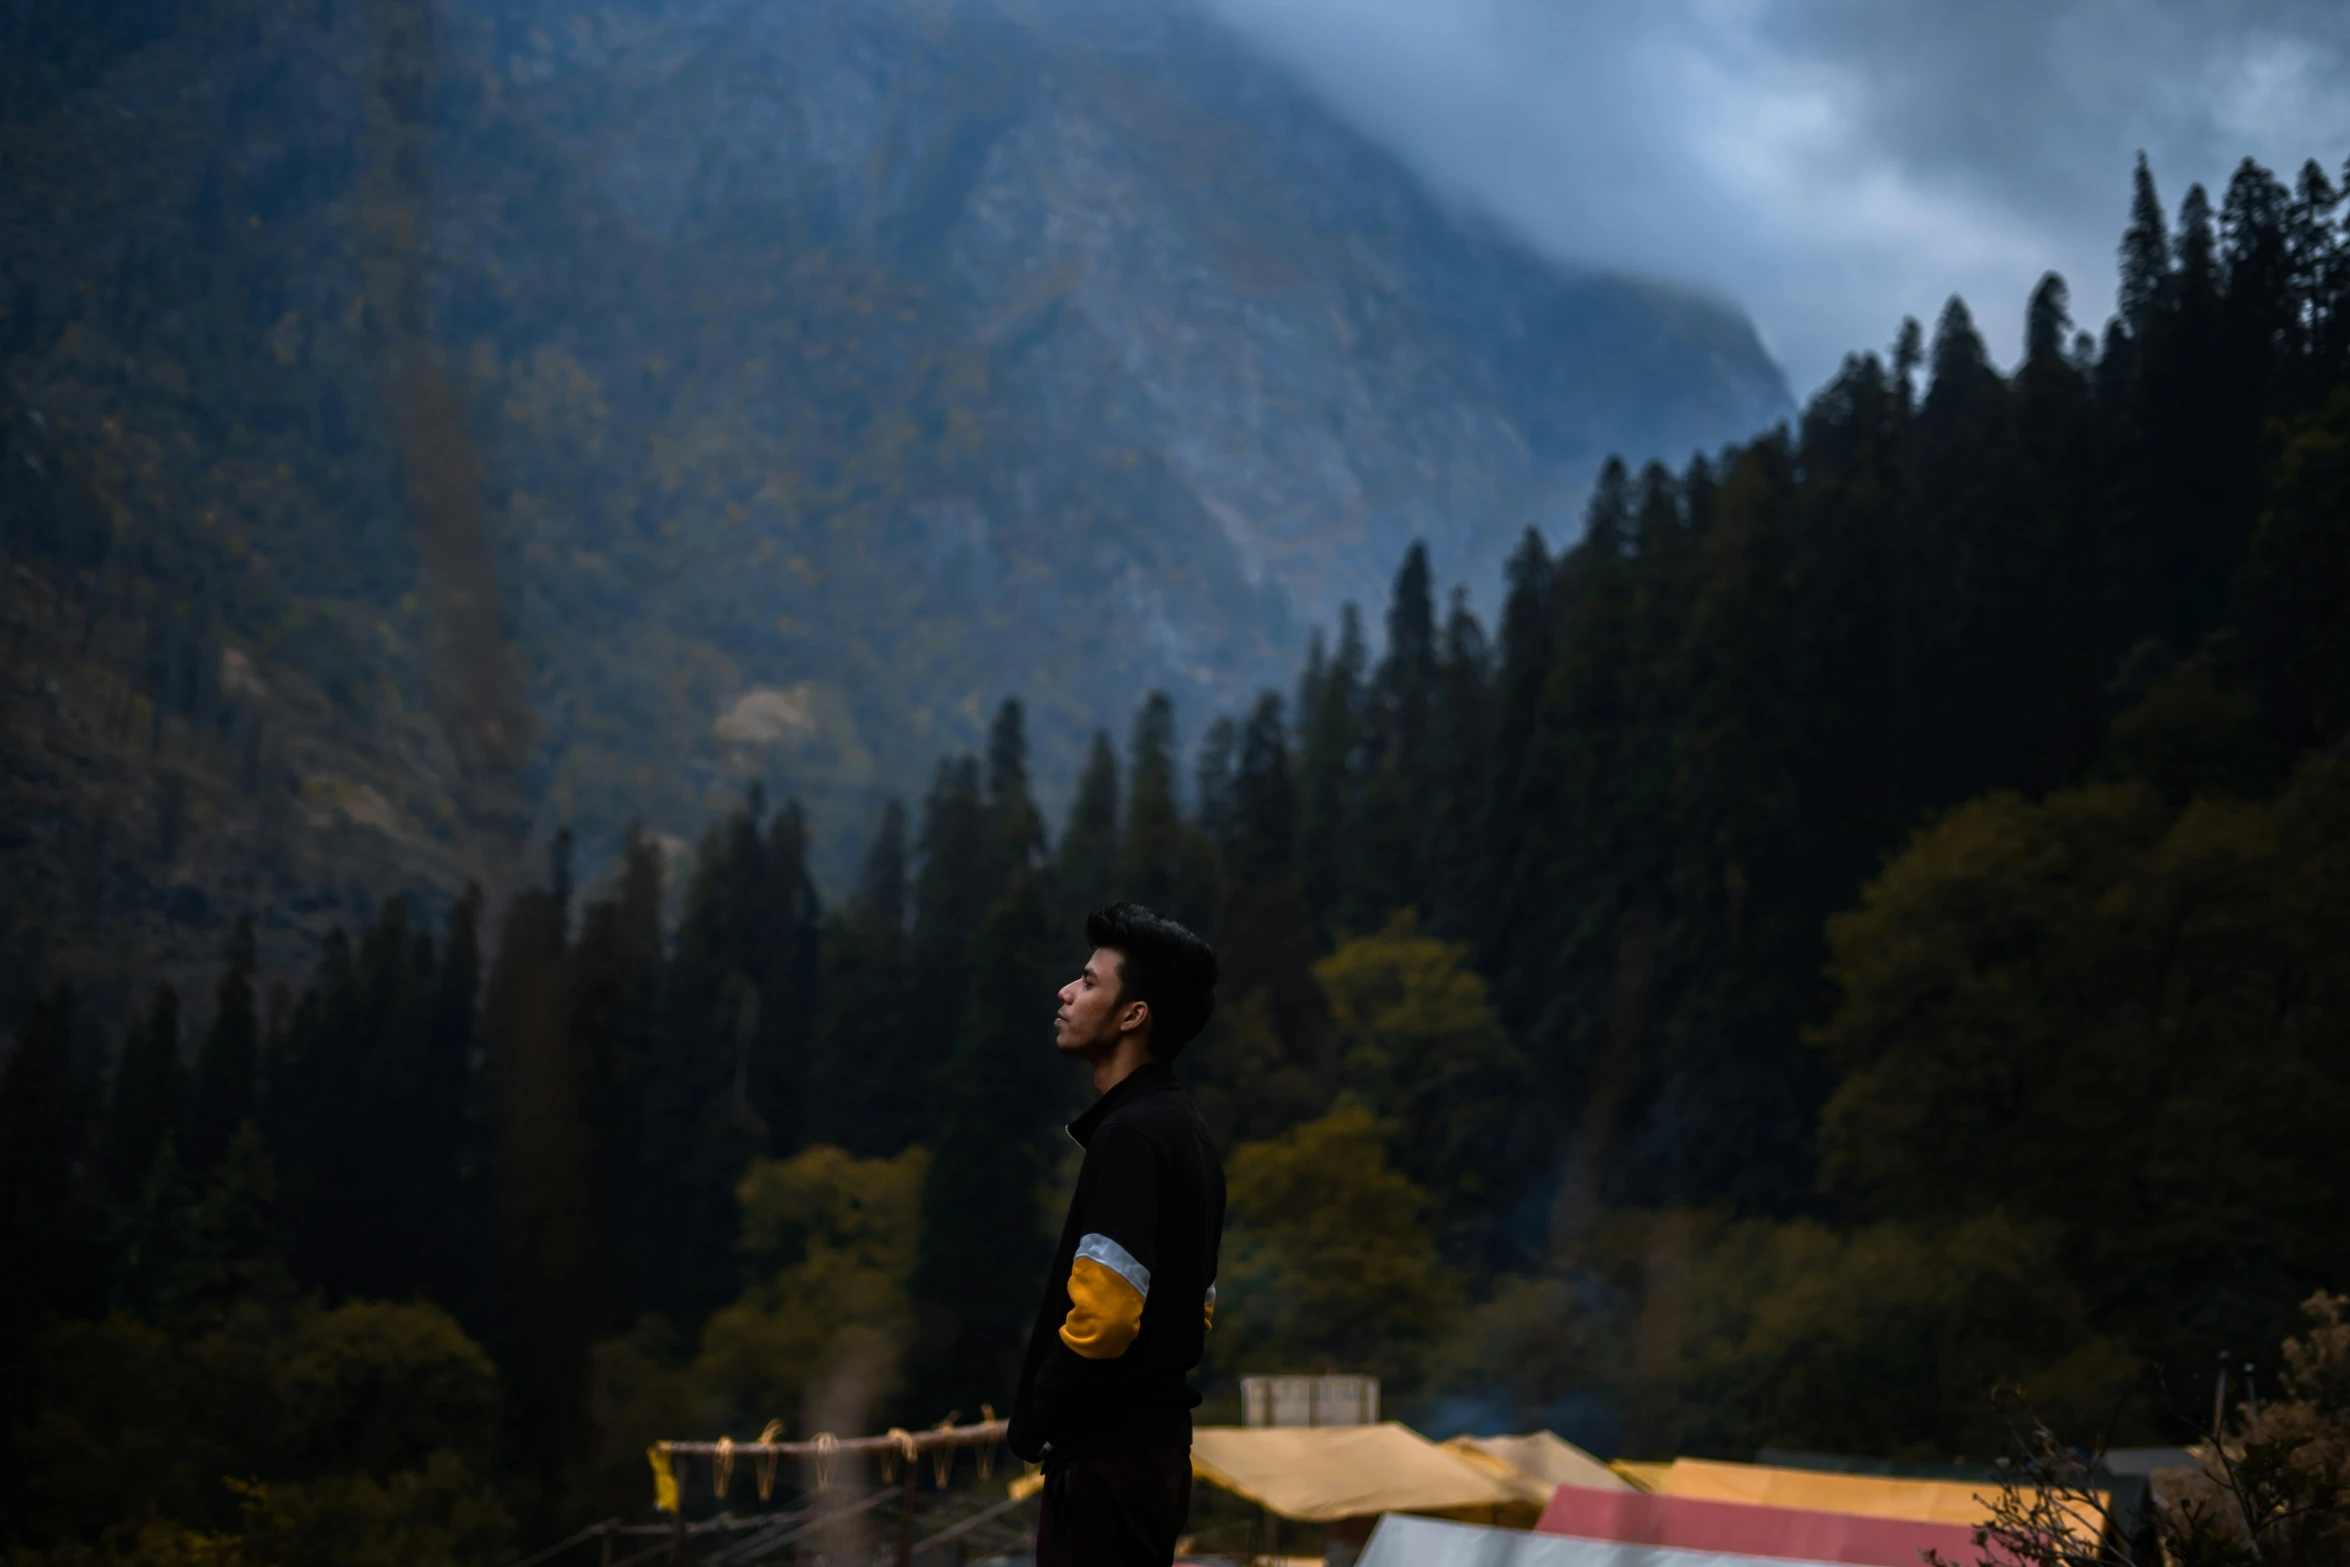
{"type": "Point", "coordinates": [1146, 1221]}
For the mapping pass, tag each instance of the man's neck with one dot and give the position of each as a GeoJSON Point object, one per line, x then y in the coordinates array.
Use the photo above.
{"type": "Point", "coordinates": [1120, 1064]}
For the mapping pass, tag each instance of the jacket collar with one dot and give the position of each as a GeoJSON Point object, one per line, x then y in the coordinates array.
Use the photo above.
{"type": "Point", "coordinates": [1152, 1077]}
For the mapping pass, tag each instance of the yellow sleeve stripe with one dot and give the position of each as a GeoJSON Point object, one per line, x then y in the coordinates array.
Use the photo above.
{"type": "Point", "coordinates": [1207, 1313]}
{"type": "Point", "coordinates": [1105, 1311]}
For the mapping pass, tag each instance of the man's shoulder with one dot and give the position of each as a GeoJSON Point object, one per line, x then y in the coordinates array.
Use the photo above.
{"type": "Point", "coordinates": [1167, 1112]}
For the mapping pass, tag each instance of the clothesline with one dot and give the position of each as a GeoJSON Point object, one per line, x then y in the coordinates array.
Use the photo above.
{"type": "Point", "coordinates": [824, 1452]}
{"type": "Point", "coordinates": [824, 1444]}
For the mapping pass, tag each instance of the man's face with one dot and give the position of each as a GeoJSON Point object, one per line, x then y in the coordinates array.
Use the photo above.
{"type": "Point", "coordinates": [1087, 1022]}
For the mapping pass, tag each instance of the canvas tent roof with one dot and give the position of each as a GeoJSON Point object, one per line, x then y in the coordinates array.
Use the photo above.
{"type": "Point", "coordinates": [1870, 1496]}
{"type": "Point", "coordinates": [1545, 1456]}
{"type": "Point", "coordinates": [1318, 1474]}
{"type": "Point", "coordinates": [1685, 1522]}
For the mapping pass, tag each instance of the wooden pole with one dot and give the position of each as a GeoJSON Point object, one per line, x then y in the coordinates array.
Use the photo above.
{"type": "Point", "coordinates": [606, 1554]}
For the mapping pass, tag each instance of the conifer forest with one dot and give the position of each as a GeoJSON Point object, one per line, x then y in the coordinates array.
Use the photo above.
{"type": "Point", "coordinates": [1864, 924]}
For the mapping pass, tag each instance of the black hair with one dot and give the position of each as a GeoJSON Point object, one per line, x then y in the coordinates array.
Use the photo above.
{"type": "Point", "coordinates": [1163, 965]}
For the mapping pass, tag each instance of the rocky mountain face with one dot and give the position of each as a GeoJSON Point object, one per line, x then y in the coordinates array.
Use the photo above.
{"type": "Point", "coordinates": [836, 368]}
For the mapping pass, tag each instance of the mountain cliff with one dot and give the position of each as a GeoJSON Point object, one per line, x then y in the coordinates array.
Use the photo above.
{"type": "Point", "coordinates": [835, 370]}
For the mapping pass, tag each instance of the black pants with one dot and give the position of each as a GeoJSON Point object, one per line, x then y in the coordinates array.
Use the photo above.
{"type": "Point", "coordinates": [1120, 1511]}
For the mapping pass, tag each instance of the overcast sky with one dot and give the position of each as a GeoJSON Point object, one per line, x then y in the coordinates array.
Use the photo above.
{"type": "Point", "coordinates": [1833, 165]}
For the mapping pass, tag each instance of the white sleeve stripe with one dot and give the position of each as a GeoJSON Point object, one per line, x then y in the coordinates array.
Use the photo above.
{"type": "Point", "coordinates": [1211, 1295]}
{"type": "Point", "coordinates": [1118, 1260]}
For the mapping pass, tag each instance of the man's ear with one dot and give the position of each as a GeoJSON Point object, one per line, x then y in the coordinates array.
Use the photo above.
{"type": "Point", "coordinates": [1134, 1017]}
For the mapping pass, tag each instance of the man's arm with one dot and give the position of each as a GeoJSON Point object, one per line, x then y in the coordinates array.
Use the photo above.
{"type": "Point", "coordinates": [1110, 1280]}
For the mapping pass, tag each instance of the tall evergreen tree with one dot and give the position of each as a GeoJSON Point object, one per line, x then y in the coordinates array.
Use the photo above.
{"type": "Point", "coordinates": [953, 887]}
{"type": "Point", "coordinates": [1330, 720]}
{"type": "Point", "coordinates": [867, 1083]}
{"type": "Point", "coordinates": [1085, 875]}
{"type": "Point", "coordinates": [45, 1218]}
{"type": "Point", "coordinates": [1398, 786]}
{"type": "Point", "coordinates": [228, 1062]}
{"type": "Point", "coordinates": [551, 1265]}
{"type": "Point", "coordinates": [1016, 826]}
{"type": "Point", "coordinates": [148, 1101]}
{"type": "Point", "coordinates": [725, 1074]}
{"type": "Point", "coordinates": [1001, 1094]}
{"type": "Point", "coordinates": [2145, 256]}
{"type": "Point", "coordinates": [1276, 1020]}
{"type": "Point", "coordinates": [373, 1240]}
{"type": "Point", "coordinates": [1460, 743]}
{"type": "Point", "coordinates": [1516, 791]}
{"type": "Point", "coordinates": [614, 976]}
{"type": "Point", "coordinates": [1152, 855]}
{"type": "Point", "coordinates": [1731, 1081]}
{"type": "Point", "coordinates": [1218, 814]}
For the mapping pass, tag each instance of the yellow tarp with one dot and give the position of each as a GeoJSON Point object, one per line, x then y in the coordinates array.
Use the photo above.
{"type": "Point", "coordinates": [1873, 1496]}
{"type": "Point", "coordinates": [1870, 1496]}
{"type": "Point", "coordinates": [1318, 1474]}
{"type": "Point", "coordinates": [1549, 1459]}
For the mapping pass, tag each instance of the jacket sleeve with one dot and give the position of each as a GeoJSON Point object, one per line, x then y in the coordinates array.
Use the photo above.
{"type": "Point", "coordinates": [1110, 1280]}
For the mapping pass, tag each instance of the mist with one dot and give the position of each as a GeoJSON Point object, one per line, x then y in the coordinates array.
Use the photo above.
{"type": "Point", "coordinates": [1831, 168]}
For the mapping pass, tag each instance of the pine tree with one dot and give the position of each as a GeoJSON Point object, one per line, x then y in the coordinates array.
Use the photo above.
{"type": "Point", "coordinates": [2060, 449]}
{"type": "Point", "coordinates": [451, 1185]}
{"type": "Point", "coordinates": [1330, 718]}
{"type": "Point", "coordinates": [2256, 269]}
{"type": "Point", "coordinates": [1273, 1025]}
{"type": "Point", "coordinates": [1016, 826]}
{"type": "Point", "coordinates": [299, 1093]}
{"type": "Point", "coordinates": [233, 1253]}
{"type": "Point", "coordinates": [613, 982]}
{"type": "Point", "coordinates": [228, 1062]}
{"type": "Point", "coordinates": [147, 1240]}
{"type": "Point", "coordinates": [550, 1267]}
{"type": "Point", "coordinates": [44, 1215]}
{"type": "Point", "coordinates": [867, 1091]}
{"type": "Point", "coordinates": [370, 1239]}
{"type": "Point", "coordinates": [953, 888]}
{"type": "Point", "coordinates": [1086, 874]}
{"type": "Point", "coordinates": [1002, 1091]}
{"type": "Point", "coordinates": [1397, 794]}
{"type": "Point", "coordinates": [1909, 351]}
{"type": "Point", "coordinates": [149, 1098]}
{"type": "Point", "coordinates": [1728, 1044]}
{"type": "Point", "coordinates": [726, 1075]}
{"type": "Point", "coordinates": [1218, 813]}
{"type": "Point", "coordinates": [1154, 849]}
{"type": "Point", "coordinates": [1980, 629]}
{"type": "Point", "coordinates": [2317, 262]}
{"type": "Point", "coordinates": [2145, 257]}
{"type": "Point", "coordinates": [784, 971]}
{"type": "Point", "coordinates": [2047, 323]}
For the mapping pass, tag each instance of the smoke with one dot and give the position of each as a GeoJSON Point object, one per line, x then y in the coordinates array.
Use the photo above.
{"type": "Point", "coordinates": [840, 1400]}
{"type": "Point", "coordinates": [475, 676]}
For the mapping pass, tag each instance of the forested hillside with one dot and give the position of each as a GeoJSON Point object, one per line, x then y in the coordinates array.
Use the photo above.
{"type": "Point", "coordinates": [1862, 927]}
{"type": "Point", "coordinates": [826, 373]}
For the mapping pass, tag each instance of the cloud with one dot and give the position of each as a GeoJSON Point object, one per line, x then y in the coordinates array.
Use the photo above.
{"type": "Point", "coordinates": [1831, 165]}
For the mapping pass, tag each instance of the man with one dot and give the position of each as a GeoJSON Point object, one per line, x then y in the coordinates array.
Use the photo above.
{"type": "Point", "coordinates": [1103, 1401]}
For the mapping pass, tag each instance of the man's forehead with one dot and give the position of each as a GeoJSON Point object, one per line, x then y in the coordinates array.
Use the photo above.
{"type": "Point", "coordinates": [1104, 963]}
